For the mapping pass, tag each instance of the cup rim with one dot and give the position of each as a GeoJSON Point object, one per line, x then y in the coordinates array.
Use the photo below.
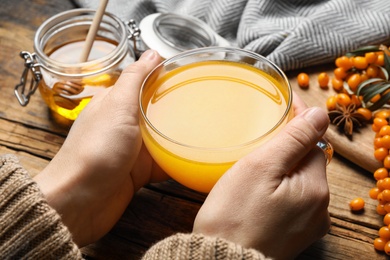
{"type": "Point", "coordinates": [218, 49]}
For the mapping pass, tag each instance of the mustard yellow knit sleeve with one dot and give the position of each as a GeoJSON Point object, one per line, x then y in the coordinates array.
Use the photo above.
{"type": "Point", "coordinates": [29, 227]}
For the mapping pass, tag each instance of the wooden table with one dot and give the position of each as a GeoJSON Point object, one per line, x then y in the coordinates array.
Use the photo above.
{"type": "Point", "coordinates": [163, 209]}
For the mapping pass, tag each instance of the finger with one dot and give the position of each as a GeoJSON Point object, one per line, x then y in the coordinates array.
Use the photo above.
{"type": "Point", "coordinates": [298, 104]}
{"type": "Point", "coordinates": [132, 77]}
{"type": "Point", "coordinates": [283, 152]}
{"type": "Point", "coordinates": [313, 176]}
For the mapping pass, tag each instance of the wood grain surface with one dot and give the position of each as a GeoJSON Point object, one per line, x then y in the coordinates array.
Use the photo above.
{"type": "Point", "coordinates": [160, 210]}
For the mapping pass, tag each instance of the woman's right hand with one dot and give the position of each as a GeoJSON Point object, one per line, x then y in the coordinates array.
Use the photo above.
{"type": "Point", "coordinates": [274, 199]}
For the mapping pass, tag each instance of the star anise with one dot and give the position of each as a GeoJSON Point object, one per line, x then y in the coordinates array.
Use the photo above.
{"type": "Point", "coordinates": [346, 118]}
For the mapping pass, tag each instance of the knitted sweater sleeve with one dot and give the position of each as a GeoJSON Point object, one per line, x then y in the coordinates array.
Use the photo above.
{"type": "Point", "coordinates": [29, 227]}
{"type": "Point", "coordinates": [198, 247]}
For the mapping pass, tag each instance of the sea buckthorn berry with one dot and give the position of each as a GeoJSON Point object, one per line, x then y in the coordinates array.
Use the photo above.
{"type": "Point", "coordinates": [387, 207]}
{"type": "Point", "coordinates": [379, 244]}
{"type": "Point", "coordinates": [385, 130]}
{"type": "Point", "coordinates": [386, 219]}
{"type": "Point", "coordinates": [380, 209]}
{"type": "Point", "coordinates": [365, 112]}
{"type": "Point", "coordinates": [380, 154]}
{"type": "Point", "coordinates": [384, 232]}
{"type": "Point", "coordinates": [380, 61]}
{"type": "Point", "coordinates": [372, 71]}
{"type": "Point", "coordinates": [340, 73]}
{"type": "Point", "coordinates": [380, 199]}
{"type": "Point", "coordinates": [374, 193]}
{"type": "Point", "coordinates": [363, 77]}
{"type": "Point", "coordinates": [356, 204]}
{"type": "Point", "coordinates": [360, 62]}
{"type": "Point", "coordinates": [323, 79]}
{"type": "Point", "coordinates": [379, 122]}
{"type": "Point", "coordinates": [375, 128]}
{"type": "Point", "coordinates": [385, 140]}
{"type": "Point", "coordinates": [337, 84]}
{"type": "Point", "coordinates": [381, 173]}
{"type": "Point", "coordinates": [356, 100]}
{"type": "Point", "coordinates": [370, 57]}
{"type": "Point", "coordinates": [354, 81]}
{"type": "Point", "coordinates": [383, 114]}
{"type": "Point", "coordinates": [386, 183]}
{"type": "Point", "coordinates": [331, 103]}
{"type": "Point", "coordinates": [386, 195]}
{"type": "Point", "coordinates": [377, 142]}
{"type": "Point", "coordinates": [375, 98]}
{"type": "Point", "coordinates": [303, 80]}
{"type": "Point", "coordinates": [344, 62]}
{"type": "Point", "coordinates": [386, 162]}
{"type": "Point", "coordinates": [387, 248]}
{"type": "Point", "coordinates": [379, 185]}
{"type": "Point", "coordinates": [343, 99]}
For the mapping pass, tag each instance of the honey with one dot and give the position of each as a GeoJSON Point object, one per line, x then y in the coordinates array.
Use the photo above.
{"type": "Point", "coordinates": [66, 84]}
{"type": "Point", "coordinates": [68, 97]}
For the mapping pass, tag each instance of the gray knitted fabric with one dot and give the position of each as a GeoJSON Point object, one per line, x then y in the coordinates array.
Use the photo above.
{"type": "Point", "coordinates": [292, 33]}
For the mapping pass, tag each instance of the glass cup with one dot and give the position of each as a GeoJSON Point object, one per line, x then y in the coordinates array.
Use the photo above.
{"type": "Point", "coordinates": [204, 109]}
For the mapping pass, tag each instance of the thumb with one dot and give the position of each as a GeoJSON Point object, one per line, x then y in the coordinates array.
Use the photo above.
{"type": "Point", "coordinates": [285, 150]}
{"type": "Point", "coordinates": [129, 83]}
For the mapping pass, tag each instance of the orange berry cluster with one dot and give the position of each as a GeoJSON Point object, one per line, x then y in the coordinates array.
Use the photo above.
{"type": "Point", "coordinates": [381, 127]}
{"type": "Point", "coordinates": [381, 192]}
{"type": "Point", "coordinates": [345, 100]}
{"type": "Point", "coordinates": [351, 71]}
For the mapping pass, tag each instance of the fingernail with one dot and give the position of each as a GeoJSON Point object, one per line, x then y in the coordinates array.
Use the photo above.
{"type": "Point", "coordinates": [149, 54]}
{"type": "Point", "coordinates": [317, 117]}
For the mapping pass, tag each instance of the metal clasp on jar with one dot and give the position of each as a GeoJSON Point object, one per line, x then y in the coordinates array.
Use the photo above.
{"type": "Point", "coordinates": [170, 34]}
{"type": "Point", "coordinates": [134, 35]}
{"type": "Point", "coordinates": [26, 88]}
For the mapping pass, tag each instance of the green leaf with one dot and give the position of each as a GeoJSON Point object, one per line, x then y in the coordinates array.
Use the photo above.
{"type": "Point", "coordinates": [385, 72]}
{"type": "Point", "coordinates": [375, 89]}
{"type": "Point", "coordinates": [380, 103]}
{"type": "Point", "coordinates": [346, 87]}
{"type": "Point", "coordinates": [362, 50]}
{"type": "Point", "coordinates": [364, 86]}
{"type": "Point", "coordinates": [387, 62]}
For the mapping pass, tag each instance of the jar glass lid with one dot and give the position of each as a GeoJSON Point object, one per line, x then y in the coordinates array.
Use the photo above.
{"type": "Point", "coordinates": [170, 34]}
{"type": "Point", "coordinates": [183, 33]}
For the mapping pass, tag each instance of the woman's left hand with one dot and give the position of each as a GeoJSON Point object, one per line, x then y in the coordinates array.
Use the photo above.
{"type": "Point", "coordinates": [102, 162]}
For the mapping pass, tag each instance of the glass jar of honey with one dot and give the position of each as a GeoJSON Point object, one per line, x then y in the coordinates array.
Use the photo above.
{"type": "Point", "coordinates": [65, 82]}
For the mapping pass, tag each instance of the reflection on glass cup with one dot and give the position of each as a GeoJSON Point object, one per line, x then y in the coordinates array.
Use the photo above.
{"type": "Point", "coordinates": [204, 109]}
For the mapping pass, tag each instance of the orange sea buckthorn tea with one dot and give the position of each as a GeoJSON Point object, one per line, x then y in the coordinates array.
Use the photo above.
{"type": "Point", "coordinates": [205, 109]}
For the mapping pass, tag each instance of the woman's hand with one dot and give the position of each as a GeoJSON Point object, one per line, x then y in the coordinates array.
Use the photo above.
{"type": "Point", "coordinates": [276, 198]}
{"type": "Point", "coordinates": [102, 162]}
